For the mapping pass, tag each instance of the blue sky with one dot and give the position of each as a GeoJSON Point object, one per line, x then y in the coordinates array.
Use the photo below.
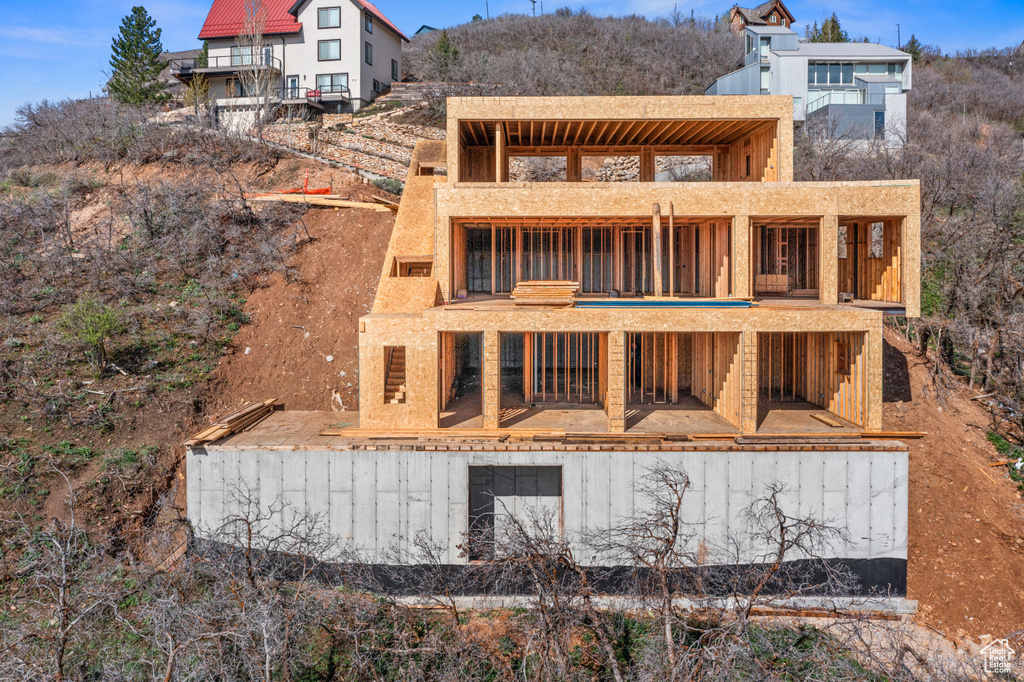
{"type": "Point", "coordinates": [60, 48]}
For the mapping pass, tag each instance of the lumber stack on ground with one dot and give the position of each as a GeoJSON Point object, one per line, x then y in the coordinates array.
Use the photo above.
{"type": "Point", "coordinates": [558, 293]}
{"type": "Point", "coordinates": [392, 206]}
{"type": "Point", "coordinates": [239, 420]}
{"type": "Point", "coordinates": [322, 201]}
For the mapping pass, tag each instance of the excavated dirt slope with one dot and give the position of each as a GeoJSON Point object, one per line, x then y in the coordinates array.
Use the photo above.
{"type": "Point", "coordinates": [966, 544]}
{"type": "Point", "coordinates": [301, 345]}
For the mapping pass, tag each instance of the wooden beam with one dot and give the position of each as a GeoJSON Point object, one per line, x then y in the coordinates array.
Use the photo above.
{"type": "Point", "coordinates": [500, 155]}
{"type": "Point", "coordinates": [672, 257]}
{"type": "Point", "coordinates": [656, 250]}
{"type": "Point", "coordinates": [646, 164]}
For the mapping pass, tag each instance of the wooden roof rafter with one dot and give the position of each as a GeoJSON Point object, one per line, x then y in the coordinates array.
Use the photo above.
{"type": "Point", "coordinates": [658, 132]}
{"type": "Point", "coordinates": [603, 129]}
{"type": "Point", "coordinates": [684, 132]}
{"type": "Point", "coordinates": [642, 131]}
{"type": "Point", "coordinates": [717, 132]}
{"type": "Point", "coordinates": [611, 132]}
{"type": "Point", "coordinates": [469, 127]}
{"type": "Point", "coordinates": [666, 135]}
{"type": "Point", "coordinates": [735, 135]}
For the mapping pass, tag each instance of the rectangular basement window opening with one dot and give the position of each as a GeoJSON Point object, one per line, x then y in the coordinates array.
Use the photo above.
{"type": "Point", "coordinates": [394, 375]}
{"type": "Point", "coordinates": [412, 266]}
{"type": "Point", "coordinates": [532, 495]}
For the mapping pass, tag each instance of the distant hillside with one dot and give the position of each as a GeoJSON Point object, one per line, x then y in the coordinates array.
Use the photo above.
{"type": "Point", "coordinates": [569, 53]}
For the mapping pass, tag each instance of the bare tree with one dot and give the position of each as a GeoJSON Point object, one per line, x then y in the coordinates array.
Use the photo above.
{"type": "Point", "coordinates": [655, 541]}
{"type": "Point", "coordinates": [68, 586]}
{"type": "Point", "coordinates": [256, 73]}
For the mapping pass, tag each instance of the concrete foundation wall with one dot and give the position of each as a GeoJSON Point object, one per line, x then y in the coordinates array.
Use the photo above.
{"type": "Point", "coordinates": [376, 500]}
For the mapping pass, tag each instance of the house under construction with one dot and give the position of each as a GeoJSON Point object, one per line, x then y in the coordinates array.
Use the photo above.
{"type": "Point", "coordinates": [544, 342]}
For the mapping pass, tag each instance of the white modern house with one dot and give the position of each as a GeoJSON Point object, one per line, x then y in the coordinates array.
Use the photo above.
{"type": "Point", "coordinates": [331, 56]}
{"type": "Point", "coordinates": [857, 89]}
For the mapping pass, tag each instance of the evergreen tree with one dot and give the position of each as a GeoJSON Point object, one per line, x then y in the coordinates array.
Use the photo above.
{"type": "Point", "coordinates": [830, 32]}
{"type": "Point", "coordinates": [203, 60]}
{"type": "Point", "coordinates": [444, 57]}
{"type": "Point", "coordinates": [135, 61]}
{"type": "Point", "coordinates": [914, 48]}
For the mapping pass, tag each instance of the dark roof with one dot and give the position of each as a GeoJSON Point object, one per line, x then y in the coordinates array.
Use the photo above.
{"type": "Point", "coordinates": [757, 15]}
{"type": "Point", "coordinates": [424, 29]}
{"type": "Point", "coordinates": [227, 19]}
{"type": "Point", "coordinates": [166, 57]}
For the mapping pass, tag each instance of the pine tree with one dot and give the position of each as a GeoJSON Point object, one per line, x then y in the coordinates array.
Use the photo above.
{"type": "Point", "coordinates": [135, 61]}
{"type": "Point", "coordinates": [444, 57]}
{"type": "Point", "coordinates": [914, 48]}
{"type": "Point", "coordinates": [830, 32]}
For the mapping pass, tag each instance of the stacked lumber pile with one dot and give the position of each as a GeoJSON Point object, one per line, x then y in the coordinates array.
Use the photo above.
{"type": "Point", "coordinates": [554, 293]}
{"type": "Point", "coordinates": [237, 421]}
{"type": "Point", "coordinates": [329, 201]}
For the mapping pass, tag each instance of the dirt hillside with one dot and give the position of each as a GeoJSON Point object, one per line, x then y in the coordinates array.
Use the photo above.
{"type": "Point", "coordinates": [966, 544]}
{"type": "Point", "coordinates": [301, 345]}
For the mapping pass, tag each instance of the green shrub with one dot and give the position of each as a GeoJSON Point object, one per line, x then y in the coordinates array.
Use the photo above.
{"type": "Point", "coordinates": [390, 185]}
{"type": "Point", "coordinates": [91, 323]}
{"type": "Point", "coordinates": [1014, 453]}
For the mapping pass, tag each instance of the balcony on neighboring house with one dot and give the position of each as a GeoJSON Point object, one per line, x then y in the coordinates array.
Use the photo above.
{"type": "Point", "coordinates": [857, 112]}
{"type": "Point", "coordinates": [238, 61]}
{"type": "Point", "coordinates": [315, 97]}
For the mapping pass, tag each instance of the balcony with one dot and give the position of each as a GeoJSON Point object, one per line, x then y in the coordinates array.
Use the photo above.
{"type": "Point", "coordinates": [184, 69]}
{"type": "Point", "coordinates": [314, 96]}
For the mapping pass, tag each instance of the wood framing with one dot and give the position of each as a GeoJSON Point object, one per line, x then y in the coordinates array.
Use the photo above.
{"type": "Point", "coordinates": [739, 298]}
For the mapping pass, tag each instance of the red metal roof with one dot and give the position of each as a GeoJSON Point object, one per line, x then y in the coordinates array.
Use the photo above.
{"type": "Point", "coordinates": [371, 8]}
{"type": "Point", "coordinates": [227, 19]}
{"type": "Point", "coordinates": [366, 5]}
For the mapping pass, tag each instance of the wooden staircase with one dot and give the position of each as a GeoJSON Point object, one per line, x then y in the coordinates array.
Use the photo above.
{"type": "Point", "coordinates": [394, 379]}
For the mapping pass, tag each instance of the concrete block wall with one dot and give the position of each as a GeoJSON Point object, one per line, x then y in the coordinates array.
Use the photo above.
{"type": "Point", "coordinates": [376, 500]}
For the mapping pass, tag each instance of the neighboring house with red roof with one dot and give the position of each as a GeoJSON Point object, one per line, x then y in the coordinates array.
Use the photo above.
{"type": "Point", "coordinates": [328, 55]}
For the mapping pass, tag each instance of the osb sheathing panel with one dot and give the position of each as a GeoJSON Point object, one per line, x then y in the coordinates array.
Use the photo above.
{"type": "Point", "coordinates": [430, 153]}
{"type": "Point", "coordinates": [412, 235]}
{"type": "Point", "coordinates": [875, 368]}
{"type": "Point", "coordinates": [492, 379]}
{"type": "Point", "coordinates": [828, 259]}
{"type": "Point", "coordinates": [748, 414]}
{"type": "Point", "coordinates": [406, 294]}
{"type": "Point", "coordinates": [627, 318]}
{"type": "Point", "coordinates": [758, 200]}
{"type": "Point", "coordinates": [741, 257]}
{"type": "Point", "coordinates": [615, 401]}
{"type": "Point", "coordinates": [767, 107]}
{"type": "Point", "coordinates": [910, 278]}
{"type": "Point", "coordinates": [421, 379]}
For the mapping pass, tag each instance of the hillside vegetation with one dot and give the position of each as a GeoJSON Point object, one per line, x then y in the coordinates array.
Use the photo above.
{"type": "Point", "coordinates": [576, 53]}
{"type": "Point", "coordinates": [136, 279]}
